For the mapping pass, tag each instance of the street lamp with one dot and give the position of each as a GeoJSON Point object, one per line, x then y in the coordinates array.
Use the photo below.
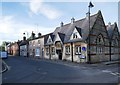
{"type": "Point", "coordinates": [90, 6]}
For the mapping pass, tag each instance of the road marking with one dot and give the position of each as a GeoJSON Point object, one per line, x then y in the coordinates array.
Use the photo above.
{"type": "Point", "coordinates": [113, 73]}
{"type": "Point", "coordinates": [106, 71]}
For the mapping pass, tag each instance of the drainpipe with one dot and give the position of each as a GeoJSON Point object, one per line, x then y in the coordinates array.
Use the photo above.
{"type": "Point", "coordinates": [110, 51]}
{"type": "Point", "coordinates": [49, 53]}
{"type": "Point", "coordinates": [72, 51]}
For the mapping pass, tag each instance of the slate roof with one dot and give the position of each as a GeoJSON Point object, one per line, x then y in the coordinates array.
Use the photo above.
{"type": "Point", "coordinates": [24, 42]}
{"type": "Point", "coordinates": [81, 25]}
{"type": "Point", "coordinates": [110, 29]}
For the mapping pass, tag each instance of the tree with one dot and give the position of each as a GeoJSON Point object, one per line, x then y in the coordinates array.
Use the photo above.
{"type": "Point", "coordinates": [3, 45]}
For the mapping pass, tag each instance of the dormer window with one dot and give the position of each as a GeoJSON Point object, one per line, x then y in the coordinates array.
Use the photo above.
{"type": "Point", "coordinates": [75, 35]}
{"type": "Point", "coordinates": [49, 40]}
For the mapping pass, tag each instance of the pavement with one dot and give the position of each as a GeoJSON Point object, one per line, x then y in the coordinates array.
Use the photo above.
{"type": "Point", "coordinates": [75, 63]}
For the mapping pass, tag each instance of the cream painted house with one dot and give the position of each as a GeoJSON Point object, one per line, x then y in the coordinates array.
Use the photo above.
{"type": "Point", "coordinates": [36, 47]}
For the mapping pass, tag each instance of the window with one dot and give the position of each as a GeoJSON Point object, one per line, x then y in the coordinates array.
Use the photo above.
{"type": "Point", "coordinates": [78, 50]}
{"type": "Point", "coordinates": [67, 50]}
{"type": "Point", "coordinates": [53, 50]}
{"type": "Point", "coordinates": [39, 42]}
{"type": "Point", "coordinates": [100, 44]}
{"type": "Point", "coordinates": [33, 43]}
{"type": "Point", "coordinates": [47, 51]}
{"type": "Point", "coordinates": [49, 40]}
{"type": "Point", "coordinates": [75, 35]}
{"type": "Point", "coordinates": [116, 46]}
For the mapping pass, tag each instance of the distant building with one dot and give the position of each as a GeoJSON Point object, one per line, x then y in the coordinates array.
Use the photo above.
{"type": "Point", "coordinates": [24, 47]}
{"type": "Point", "coordinates": [36, 46]}
{"type": "Point", "coordinates": [15, 48]}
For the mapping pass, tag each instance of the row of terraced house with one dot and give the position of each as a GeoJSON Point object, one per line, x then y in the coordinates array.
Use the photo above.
{"type": "Point", "coordinates": [74, 42]}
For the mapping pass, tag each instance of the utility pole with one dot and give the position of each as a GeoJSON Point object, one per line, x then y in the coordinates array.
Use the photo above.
{"type": "Point", "coordinates": [90, 6]}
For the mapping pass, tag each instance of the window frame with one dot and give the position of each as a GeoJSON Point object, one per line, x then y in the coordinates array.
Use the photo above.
{"type": "Point", "coordinates": [47, 50]}
{"type": "Point", "coordinates": [67, 50]}
{"type": "Point", "coordinates": [53, 50]}
{"type": "Point", "coordinates": [78, 50]}
{"type": "Point", "coordinates": [75, 36]}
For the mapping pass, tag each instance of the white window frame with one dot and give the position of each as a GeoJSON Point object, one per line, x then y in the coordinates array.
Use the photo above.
{"type": "Point", "coordinates": [78, 50]}
{"type": "Point", "coordinates": [47, 50]}
{"type": "Point", "coordinates": [53, 50]}
{"type": "Point", "coordinates": [75, 35]}
{"type": "Point", "coordinates": [67, 49]}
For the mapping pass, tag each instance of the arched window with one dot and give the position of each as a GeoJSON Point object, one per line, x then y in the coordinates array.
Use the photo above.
{"type": "Point", "coordinates": [100, 44]}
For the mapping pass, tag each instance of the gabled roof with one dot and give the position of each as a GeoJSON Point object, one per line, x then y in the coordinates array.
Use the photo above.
{"type": "Point", "coordinates": [79, 30]}
{"type": "Point", "coordinates": [46, 38]}
{"type": "Point", "coordinates": [110, 28]}
{"type": "Point", "coordinates": [62, 36]}
{"type": "Point", "coordinates": [82, 26]}
{"type": "Point", "coordinates": [24, 42]}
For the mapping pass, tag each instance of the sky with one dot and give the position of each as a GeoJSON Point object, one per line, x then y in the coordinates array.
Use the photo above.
{"type": "Point", "coordinates": [17, 17]}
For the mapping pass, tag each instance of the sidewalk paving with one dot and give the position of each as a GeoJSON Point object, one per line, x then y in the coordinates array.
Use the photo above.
{"type": "Point", "coordinates": [75, 63]}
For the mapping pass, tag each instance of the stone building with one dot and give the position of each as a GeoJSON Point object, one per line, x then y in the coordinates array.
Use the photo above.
{"type": "Point", "coordinates": [24, 47]}
{"type": "Point", "coordinates": [114, 41]}
{"type": "Point", "coordinates": [36, 46]}
{"type": "Point", "coordinates": [71, 41]}
{"type": "Point", "coordinates": [15, 48]}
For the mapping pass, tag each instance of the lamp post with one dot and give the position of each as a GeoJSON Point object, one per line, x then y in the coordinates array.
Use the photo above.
{"type": "Point", "coordinates": [90, 6]}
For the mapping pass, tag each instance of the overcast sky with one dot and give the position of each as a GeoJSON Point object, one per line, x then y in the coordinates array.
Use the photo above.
{"type": "Point", "coordinates": [43, 16]}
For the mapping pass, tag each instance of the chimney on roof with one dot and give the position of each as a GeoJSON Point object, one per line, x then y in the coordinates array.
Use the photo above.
{"type": "Point", "coordinates": [61, 24]}
{"type": "Point", "coordinates": [109, 24]}
{"type": "Point", "coordinates": [72, 20]}
{"type": "Point", "coordinates": [24, 38]}
{"type": "Point", "coordinates": [39, 34]}
{"type": "Point", "coordinates": [33, 35]}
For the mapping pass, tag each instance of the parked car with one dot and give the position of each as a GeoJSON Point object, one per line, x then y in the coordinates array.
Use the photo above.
{"type": "Point", "coordinates": [3, 54]}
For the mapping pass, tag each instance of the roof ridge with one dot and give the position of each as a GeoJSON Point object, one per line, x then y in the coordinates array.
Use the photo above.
{"type": "Point", "coordinates": [78, 20]}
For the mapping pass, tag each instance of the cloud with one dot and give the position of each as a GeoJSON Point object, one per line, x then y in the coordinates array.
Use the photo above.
{"type": "Point", "coordinates": [38, 7]}
{"type": "Point", "coordinates": [12, 30]}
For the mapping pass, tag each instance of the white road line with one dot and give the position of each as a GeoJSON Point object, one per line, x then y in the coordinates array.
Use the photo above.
{"type": "Point", "coordinates": [113, 73]}
{"type": "Point", "coordinates": [106, 71]}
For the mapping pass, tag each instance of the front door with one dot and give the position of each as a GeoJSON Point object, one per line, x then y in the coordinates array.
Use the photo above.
{"type": "Point", "coordinates": [59, 52]}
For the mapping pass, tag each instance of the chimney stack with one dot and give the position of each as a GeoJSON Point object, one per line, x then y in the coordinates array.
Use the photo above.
{"type": "Point", "coordinates": [72, 20]}
{"type": "Point", "coordinates": [33, 35]}
{"type": "Point", "coordinates": [39, 34]}
{"type": "Point", "coordinates": [109, 24]}
{"type": "Point", "coordinates": [61, 24]}
{"type": "Point", "coordinates": [24, 38]}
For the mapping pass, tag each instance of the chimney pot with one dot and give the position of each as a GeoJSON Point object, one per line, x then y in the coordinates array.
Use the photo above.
{"type": "Point", "coordinates": [61, 24]}
{"type": "Point", "coordinates": [72, 20]}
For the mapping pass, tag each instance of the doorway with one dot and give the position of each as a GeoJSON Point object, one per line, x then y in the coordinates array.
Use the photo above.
{"type": "Point", "coordinates": [59, 52]}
